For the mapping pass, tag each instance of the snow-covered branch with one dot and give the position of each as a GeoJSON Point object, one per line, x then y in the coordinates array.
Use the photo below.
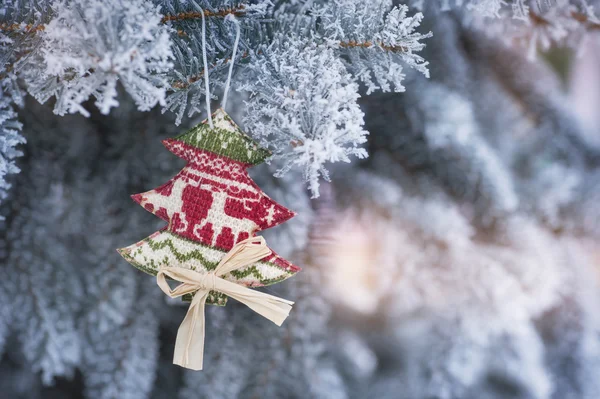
{"type": "Point", "coordinates": [82, 49]}
{"type": "Point", "coordinates": [91, 45]}
{"type": "Point", "coordinates": [531, 24]}
{"type": "Point", "coordinates": [10, 138]}
{"type": "Point", "coordinates": [377, 40]}
{"type": "Point", "coordinates": [303, 106]}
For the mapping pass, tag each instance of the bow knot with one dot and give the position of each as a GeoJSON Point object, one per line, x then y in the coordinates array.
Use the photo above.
{"type": "Point", "coordinates": [190, 336]}
{"type": "Point", "coordinates": [207, 282]}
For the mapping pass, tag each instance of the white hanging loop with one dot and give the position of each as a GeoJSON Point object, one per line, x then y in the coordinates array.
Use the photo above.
{"type": "Point", "coordinates": [207, 87]}
{"type": "Point", "coordinates": [232, 18]}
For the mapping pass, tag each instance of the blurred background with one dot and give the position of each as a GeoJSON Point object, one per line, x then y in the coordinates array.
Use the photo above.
{"type": "Point", "coordinates": [458, 261]}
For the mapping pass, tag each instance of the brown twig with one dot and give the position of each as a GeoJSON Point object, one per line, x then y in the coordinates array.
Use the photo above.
{"type": "Point", "coordinates": [537, 19]}
{"type": "Point", "coordinates": [183, 84]}
{"type": "Point", "coordinates": [581, 18]}
{"type": "Point", "coordinates": [367, 44]}
{"type": "Point", "coordinates": [584, 19]}
{"type": "Point", "coordinates": [28, 28]}
{"type": "Point", "coordinates": [180, 84]}
{"type": "Point", "coordinates": [238, 11]}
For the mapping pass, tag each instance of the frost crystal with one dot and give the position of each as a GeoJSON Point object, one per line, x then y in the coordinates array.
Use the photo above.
{"type": "Point", "coordinates": [487, 8]}
{"type": "Point", "coordinates": [10, 128]}
{"type": "Point", "coordinates": [10, 138]}
{"type": "Point", "coordinates": [90, 45]}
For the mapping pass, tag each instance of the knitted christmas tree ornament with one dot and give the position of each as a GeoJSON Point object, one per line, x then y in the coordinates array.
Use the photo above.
{"type": "Point", "coordinates": [213, 209]}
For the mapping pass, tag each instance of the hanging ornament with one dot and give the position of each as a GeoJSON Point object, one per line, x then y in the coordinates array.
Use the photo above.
{"type": "Point", "coordinates": [213, 210]}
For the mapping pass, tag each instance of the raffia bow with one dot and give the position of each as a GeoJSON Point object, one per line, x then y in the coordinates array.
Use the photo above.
{"type": "Point", "coordinates": [189, 345]}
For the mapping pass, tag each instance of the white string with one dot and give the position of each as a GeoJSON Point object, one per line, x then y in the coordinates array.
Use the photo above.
{"type": "Point", "coordinates": [210, 122]}
{"type": "Point", "coordinates": [235, 47]}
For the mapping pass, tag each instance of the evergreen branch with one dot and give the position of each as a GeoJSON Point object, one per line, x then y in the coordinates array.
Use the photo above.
{"type": "Point", "coordinates": [238, 11]}
{"type": "Point", "coordinates": [180, 84]}
{"type": "Point", "coordinates": [10, 67]}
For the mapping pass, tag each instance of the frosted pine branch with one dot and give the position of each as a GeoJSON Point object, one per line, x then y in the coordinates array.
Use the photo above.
{"type": "Point", "coordinates": [10, 127]}
{"type": "Point", "coordinates": [534, 25]}
{"type": "Point", "coordinates": [376, 38]}
{"type": "Point", "coordinates": [305, 94]}
{"type": "Point", "coordinates": [83, 49]}
{"type": "Point", "coordinates": [90, 45]}
{"type": "Point", "coordinates": [10, 139]}
{"type": "Point", "coordinates": [238, 11]}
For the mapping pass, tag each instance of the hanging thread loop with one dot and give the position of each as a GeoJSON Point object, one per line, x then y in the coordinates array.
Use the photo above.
{"type": "Point", "coordinates": [206, 85]}
{"type": "Point", "coordinates": [232, 18]}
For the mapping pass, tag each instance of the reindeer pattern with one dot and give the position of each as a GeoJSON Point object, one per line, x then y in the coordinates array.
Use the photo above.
{"type": "Point", "coordinates": [211, 209]}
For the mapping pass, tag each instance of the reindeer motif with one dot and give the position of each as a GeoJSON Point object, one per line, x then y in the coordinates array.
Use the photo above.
{"type": "Point", "coordinates": [209, 212]}
{"type": "Point", "coordinates": [218, 218]}
{"type": "Point", "coordinates": [171, 203]}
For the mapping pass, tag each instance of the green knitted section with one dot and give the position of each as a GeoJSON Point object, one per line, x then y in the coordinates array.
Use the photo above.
{"type": "Point", "coordinates": [214, 298]}
{"type": "Point", "coordinates": [181, 257]}
{"type": "Point", "coordinates": [225, 139]}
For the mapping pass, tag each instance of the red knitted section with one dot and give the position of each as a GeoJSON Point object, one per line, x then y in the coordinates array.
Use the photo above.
{"type": "Point", "coordinates": [213, 200]}
{"type": "Point", "coordinates": [283, 263]}
{"type": "Point", "coordinates": [190, 154]}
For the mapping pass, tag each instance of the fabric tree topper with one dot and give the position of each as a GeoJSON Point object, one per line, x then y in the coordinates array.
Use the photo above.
{"type": "Point", "coordinates": [213, 210]}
